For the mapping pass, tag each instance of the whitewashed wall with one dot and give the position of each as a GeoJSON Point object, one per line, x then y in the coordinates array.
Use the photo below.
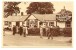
{"type": "Point", "coordinates": [25, 23]}
{"type": "Point", "coordinates": [13, 23]}
{"type": "Point", "coordinates": [61, 24]}
{"type": "Point", "coordinates": [54, 23]}
{"type": "Point", "coordinates": [20, 23]}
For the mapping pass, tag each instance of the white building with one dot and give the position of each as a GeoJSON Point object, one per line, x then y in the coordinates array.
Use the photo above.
{"type": "Point", "coordinates": [35, 19]}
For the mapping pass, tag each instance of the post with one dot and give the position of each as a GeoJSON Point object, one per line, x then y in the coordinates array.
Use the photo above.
{"type": "Point", "coordinates": [38, 24]}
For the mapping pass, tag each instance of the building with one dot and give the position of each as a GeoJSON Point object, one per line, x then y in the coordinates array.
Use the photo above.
{"type": "Point", "coordinates": [62, 19]}
{"type": "Point", "coordinates": [35, 20]}
{"type": "Point", "coordinates": [31, 20]}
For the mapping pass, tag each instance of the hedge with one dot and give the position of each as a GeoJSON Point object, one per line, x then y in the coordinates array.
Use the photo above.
{"type": "Point", "coordinates": [57, 32]}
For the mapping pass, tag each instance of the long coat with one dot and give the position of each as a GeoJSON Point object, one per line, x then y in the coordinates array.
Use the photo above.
{"type": "Point", "coordinates": [14, 29]}
{"type": "Point", "coordinates": [21, 30]}
{"type": "Point", "coordinates": [24, 29]}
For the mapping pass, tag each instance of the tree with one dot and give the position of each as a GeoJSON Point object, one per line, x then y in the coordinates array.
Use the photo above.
{"type": "Point", "coordinates": [40, 8]}
{"type": "Point", "coordinates": [65, 12]}
{"type": "Point", "coordinates": [11, 8]}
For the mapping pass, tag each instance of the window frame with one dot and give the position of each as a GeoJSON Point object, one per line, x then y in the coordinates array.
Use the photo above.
{"type": "Point", "coordinates": [6, 23]}
{"type": "Point", "coordinates": [51, 23]}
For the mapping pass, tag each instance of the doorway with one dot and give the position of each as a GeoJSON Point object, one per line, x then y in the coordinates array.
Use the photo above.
{"type": "Point", "coordinates": [17, 24]}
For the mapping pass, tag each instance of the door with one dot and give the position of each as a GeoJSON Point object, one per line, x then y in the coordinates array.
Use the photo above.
{"type": "Point", "coordinates": [17, 24]}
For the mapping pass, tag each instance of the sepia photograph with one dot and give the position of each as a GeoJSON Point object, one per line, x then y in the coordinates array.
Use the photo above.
{"type": "Point", "coordinates": [37, 24]}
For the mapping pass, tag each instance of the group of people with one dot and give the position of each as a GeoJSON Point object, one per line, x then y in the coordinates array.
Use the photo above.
{"type": "Point", "coordinates": [20, 30]}
{"type": "Point", "coordinates": [24, 30]}
{"type": "Point", "coordinates": [49, 32]}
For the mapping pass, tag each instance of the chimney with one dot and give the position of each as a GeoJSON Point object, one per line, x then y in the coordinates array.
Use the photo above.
{"type": "Point", "coordinates": [21, 13]}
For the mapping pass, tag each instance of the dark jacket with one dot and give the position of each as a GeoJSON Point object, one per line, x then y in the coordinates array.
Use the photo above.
{"type": "Point", "coordinates": [21, 30]}
{"type": "Point", "coordinates": [14, 29]}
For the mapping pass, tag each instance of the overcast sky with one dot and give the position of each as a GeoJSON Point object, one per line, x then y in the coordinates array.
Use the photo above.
{"type": "Point", "coordinates": [57, 6]}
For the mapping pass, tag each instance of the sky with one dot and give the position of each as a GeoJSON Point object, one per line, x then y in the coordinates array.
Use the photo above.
{"type": "Point", "coordinates": [60, 5]}
{"type": "Point", "coordinates": [57, 6]}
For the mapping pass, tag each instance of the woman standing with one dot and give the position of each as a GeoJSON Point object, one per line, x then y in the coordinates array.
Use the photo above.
{"type": "Point", "coordinates": [26, 30]}
{"type": "Point", "coordinates": [41, 32]}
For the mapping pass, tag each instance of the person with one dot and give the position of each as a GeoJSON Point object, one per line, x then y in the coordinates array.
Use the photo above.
{"type": "Point", "coordinates": [4, 32]}
{"type": "Point", "coordinates": [41, 32]}
{"type": "Point", "coordinates": [47, 29]}
{"type": "Point", "coordinates": [26, 30]}
{"type": "Point", "coordinates": [51, 31]}
{"type": "Point", "coordinates": [17, 29]}
{"type": "Point", "coordinates": [20, 30]}
{"type": "Point", "coordinates": [14, 29]}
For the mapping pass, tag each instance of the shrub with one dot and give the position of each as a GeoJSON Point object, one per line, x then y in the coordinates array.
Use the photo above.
{"type": "Point", "coordinates": [34, 31]}
{"type": "Point", "coordinates": [67, 31]}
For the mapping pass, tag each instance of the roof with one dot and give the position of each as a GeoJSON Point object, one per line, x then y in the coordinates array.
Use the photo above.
{"type": "Point", "coordinates": [16, 18]}
{"type": "Point", "coordinates": [64, 18]}
{"type": "Point", "coordinates": [69, 18]}
{"type": "Point", "coordinates": [45, 17]}
{"type": "Point", "coordinates": [41, 17]}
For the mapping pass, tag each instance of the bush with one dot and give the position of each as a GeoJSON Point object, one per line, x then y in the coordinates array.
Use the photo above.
{"type": "Point", "coordinates": [67, 31]}
{"type": "Point", "coordinates": [34, 31]}
{"type": "Point", "coordinates": [7, 29]}
{"type": "Point", "coordinates": [56, 31]}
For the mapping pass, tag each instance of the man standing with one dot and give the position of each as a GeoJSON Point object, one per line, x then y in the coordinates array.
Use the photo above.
{"type": "Point", "coordinates": [25, 31]}
{"type": "Point", "coordinates": [47, 31]}
{"type": "Point", "coordinates": [20, 30]}
{"type": "Point", "coordinates": [51, 31]}
{"type": "Point", "coordinates": [14, 30]}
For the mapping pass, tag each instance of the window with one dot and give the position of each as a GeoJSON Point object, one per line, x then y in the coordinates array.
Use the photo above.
{"type": "Point", "coordinates": [5, 23]}
{"type": "Point", "coordinates": [21, 13]}
{"type": "Point", "coordinates": [51, 24]}
{"type": "Point", "coordinates": [40, 23]}
{"type": "Point", "coordinates": [9, 24]}
{"type": "Point", "coordinates": [68, 24]}
{"type": "Point", "coordinates": [46, 23]}
{"type": "Point", "coordinates": [57, 16]}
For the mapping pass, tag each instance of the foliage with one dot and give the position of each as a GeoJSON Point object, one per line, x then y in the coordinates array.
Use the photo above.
{"type": "Point", "coordinates": [10, 8]}
{"type": "Point", "coordinates": [40, 8]}
{"type": "Point", "coordinates": [67, 31]}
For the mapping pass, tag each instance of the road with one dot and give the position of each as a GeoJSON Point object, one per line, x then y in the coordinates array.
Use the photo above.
{"type": "Point", "coordinates": [10, 40]}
